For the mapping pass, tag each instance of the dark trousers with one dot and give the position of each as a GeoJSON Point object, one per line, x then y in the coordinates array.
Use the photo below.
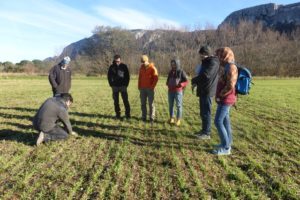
{"type": "Point", "coordinates": [124, 94]}
{"type": "Point", "coordinates": [57, 133]}
{"type": "Point", "coordinates": [205, 113]}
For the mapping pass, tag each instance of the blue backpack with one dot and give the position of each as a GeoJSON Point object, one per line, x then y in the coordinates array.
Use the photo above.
{"type": "Point", "coordinates": [244, 80]}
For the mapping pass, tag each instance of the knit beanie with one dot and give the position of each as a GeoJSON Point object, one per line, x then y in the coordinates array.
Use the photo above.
{"type": "Point", "coordinates": [145, 59]}
{"type": "Point", "coordinates": [66, 60]}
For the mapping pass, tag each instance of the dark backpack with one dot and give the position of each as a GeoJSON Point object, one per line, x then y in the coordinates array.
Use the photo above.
{"type": "Point", "coordinates": [244, 79]}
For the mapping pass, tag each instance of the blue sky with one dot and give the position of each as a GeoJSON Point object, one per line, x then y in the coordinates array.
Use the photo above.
{"type": "Point", "coordinates": [36, 29]}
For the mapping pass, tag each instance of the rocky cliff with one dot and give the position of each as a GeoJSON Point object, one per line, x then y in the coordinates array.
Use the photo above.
{"type": "Point", "coordinates": [280, 17]}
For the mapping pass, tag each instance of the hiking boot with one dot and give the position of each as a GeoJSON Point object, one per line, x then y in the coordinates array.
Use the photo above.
{"type": "Point", "coordinates": [178, 122]}
{"type": "Point", "coordinates": [172, 121]}
{"type": "Point", "coordinates": [222, 151]}
{"type": "Point", "coordinates": [203, 136]}
{"type": "Point", "coordinates": [41, 138]}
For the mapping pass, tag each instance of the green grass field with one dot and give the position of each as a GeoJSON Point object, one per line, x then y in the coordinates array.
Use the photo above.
{"type": "Point", "coordinates": [131, 160]}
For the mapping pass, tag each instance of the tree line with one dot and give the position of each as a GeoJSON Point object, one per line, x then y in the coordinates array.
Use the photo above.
{"type": "Point", "coordinates": [264, 51]}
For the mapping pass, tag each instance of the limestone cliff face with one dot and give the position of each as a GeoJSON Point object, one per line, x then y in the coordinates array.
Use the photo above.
{"type": "Point", "coordinates": [279, 17]}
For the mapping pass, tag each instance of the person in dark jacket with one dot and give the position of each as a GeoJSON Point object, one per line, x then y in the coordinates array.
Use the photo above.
{"type": "Point", "coordinates": [60, 77]}
{"type": "Point", "coordinates": [118, 79]}
{"type": "Point", "coordinates": [176, 82]}
{"type": "Point", "coordinates": [206, 83]}
{"type": "Point", "coordinates": [47, 118]}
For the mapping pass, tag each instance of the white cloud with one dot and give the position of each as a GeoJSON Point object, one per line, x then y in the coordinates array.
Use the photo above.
{"type": "Point", "coordinates": [133, 19]}
{"type": "Point", "coordinates": [47, 25]}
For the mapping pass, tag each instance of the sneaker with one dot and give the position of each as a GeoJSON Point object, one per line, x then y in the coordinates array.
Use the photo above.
{"type": "Point", "coordinates": [178, 122]}
{"type": "Point", "coordinates": [222, 151]}
{"type": "Point", "coordinates": [172, 121]}
{"type": "Point", "coordinates": [41, 138]}
{"type": "Point", "coordinates": [203, 136]}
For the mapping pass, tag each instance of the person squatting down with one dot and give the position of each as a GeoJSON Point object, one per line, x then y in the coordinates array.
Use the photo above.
{"type": "Point", "coordinates": [53, 111]}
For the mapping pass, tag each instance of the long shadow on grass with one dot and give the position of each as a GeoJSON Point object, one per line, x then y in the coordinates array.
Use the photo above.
{"type": "Point", "coordinates": [30, 139]}
{"type": "Point", "coordinates": [19, 109]}
{"type": "Point", "coordinates": [146, 131]}
{"type": "Point", "coordinates": [13, 116]}
{"type": "Point", "coordinates": [79, 114]}
{"type": "Point", "coordinates": [142, 142]}
{"type": "Point", "coordinates": [25, 138]}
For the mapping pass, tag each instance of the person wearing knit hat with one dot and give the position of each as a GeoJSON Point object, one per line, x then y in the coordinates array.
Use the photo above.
{"type": "Point", "coordinates": [60, 77]}
{"type": "Point", "coordinates": [147, 81]}
{"type": "Point", "coordinates": [145, 59]}
{"type": "Point", "coordinates": [206, 82]}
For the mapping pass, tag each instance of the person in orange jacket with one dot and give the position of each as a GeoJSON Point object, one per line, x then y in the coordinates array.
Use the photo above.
{"type": "Point", "coordinates": [148, 78]}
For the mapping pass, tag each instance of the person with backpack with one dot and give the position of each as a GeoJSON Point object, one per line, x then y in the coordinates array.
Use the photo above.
{"type": "Point", "coordinates": [225, 97]}
{"type": "Point", "coordinates": [176, 82]}
{"type": "Point", "coordinates": [206, 83]}
{"type": "Point", "coordinates": [118, 79]}
{"type": "Point", "coordinates": [53, 111]}
{"type": "Point", "coordinates": [147, 81]}
{"type": "Point", "coordinates": [60, 77]}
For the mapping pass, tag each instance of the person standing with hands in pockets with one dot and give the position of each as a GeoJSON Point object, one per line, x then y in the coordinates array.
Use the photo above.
{"type": "Point", "coordinates": [148, 78]}
{"type": "Point", "coordinates": [118, 79]}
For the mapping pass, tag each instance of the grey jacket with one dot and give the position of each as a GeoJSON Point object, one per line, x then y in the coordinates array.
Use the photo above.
{"type": "Point", "coordinates": [60, 79]}
{"type": "Point", "coordinates": [50, 113]}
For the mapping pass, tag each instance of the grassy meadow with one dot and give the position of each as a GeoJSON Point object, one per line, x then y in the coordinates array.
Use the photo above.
{"type": "Point", "coordinates": [130, 159]}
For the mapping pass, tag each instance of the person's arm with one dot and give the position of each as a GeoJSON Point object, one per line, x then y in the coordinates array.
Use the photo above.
{"type": "Point", "coordinates": [109, 76]}
{"type": "Point", "coordinates": [231, 78]}
{"type": "Point", "coordinates": [127, 76]}
{"type": "Point", "coordinates": [64, 117]}
{"type": "Point", "coordinates": [154, 78]}
{"type": "Point", "coordinates": [52, 77]}
{"type": "Point", "coordinates": [139, 81]}
{"type": "Point", "coordinates": [183, 80]}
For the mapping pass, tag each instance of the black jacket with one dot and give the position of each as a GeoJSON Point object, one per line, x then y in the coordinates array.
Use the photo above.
{"type": "Point", "coordinates": [118, 75]}
{"type": "Point", "coordinates": [208, 77]}
{"type": "Point", "coordinates": [50, 113]}
{"type": "Point", "coordinates": [60, 79]}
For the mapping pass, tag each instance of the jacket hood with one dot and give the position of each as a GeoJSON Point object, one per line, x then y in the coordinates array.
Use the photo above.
{"type": "Point", "coordinates": [225, 55]}
{"type": "Point", "coordinates": [177, 63]}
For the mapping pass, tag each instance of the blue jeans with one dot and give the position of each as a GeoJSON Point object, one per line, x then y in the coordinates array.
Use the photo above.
{"type": "Point", "coordinates": [222, 122]}
{"type": "Point", "coordinates": [205, 113]}
{"type": "Point", "coordinates": [175, 96]}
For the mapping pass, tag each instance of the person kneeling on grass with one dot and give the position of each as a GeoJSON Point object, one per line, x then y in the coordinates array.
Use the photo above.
{"type": "Point", "coordinates": [176, 82]}
{"type": "Point", "coordinates": [47, 118]}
